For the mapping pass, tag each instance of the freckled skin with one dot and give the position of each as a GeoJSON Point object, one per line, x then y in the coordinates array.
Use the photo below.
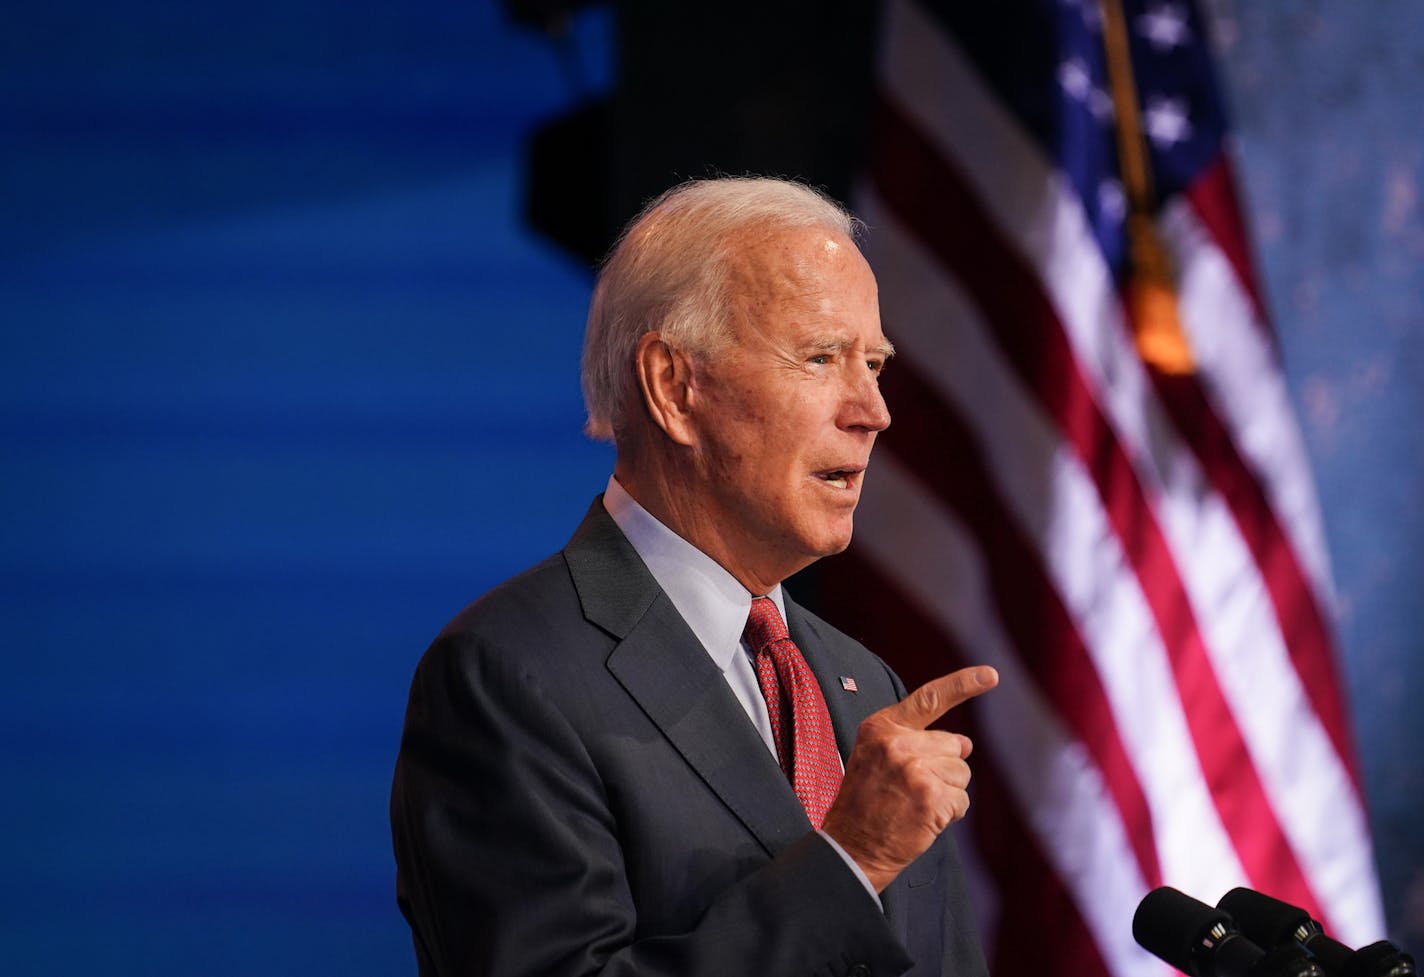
{"type": "Point", "coordinates": [794, 397]}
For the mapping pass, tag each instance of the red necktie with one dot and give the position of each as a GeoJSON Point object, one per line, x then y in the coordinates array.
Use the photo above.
{"type": "Point", "coordinates": [805, 740]}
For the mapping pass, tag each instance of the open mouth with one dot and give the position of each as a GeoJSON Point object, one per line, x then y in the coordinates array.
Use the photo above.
{"type": "Point", "coordinates": [839, 477]}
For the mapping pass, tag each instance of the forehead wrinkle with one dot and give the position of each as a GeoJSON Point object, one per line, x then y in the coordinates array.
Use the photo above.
{"type": "Point", "coordinates": [786, 274]}
{"type": "Point", "coordinates": [770, 279]}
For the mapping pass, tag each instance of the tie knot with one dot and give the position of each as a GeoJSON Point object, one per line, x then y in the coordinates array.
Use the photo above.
{"type": "Point", "coordinates": [764, 624]}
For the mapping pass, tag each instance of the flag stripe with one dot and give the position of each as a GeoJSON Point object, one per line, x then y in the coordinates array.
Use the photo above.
{"type": "Point", "coordinates": [935, 328]}
{"type": "Point", "coordinates": [1030, 610]}
{"type": "Point", "coordinates": [1194, 412]}
{"type": "Point", "coordinates": [1306, 635]}
{"type": "Point", "coordinates": [1286, 685]}
{"type": "Point", "coordinates": [930, 198]}
{"type": "Point", "coordinates": [1240, 378]}
{"type": "Point", "coordinates": [1213, 196]}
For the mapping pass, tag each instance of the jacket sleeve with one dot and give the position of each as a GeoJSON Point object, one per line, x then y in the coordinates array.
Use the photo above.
{"type": "Point", "coordinates": [510, 862]}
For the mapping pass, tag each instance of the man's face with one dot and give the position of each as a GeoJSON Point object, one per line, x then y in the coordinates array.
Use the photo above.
{"type": "Point", "coordinates": [788, 413]}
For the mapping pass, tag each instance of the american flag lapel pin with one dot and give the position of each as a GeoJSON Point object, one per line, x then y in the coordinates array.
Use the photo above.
{"type": "Point", "coordinates": [848, 683]}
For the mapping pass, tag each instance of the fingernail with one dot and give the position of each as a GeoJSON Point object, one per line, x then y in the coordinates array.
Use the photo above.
{"type": "Point", "coordinates": [986, 676]}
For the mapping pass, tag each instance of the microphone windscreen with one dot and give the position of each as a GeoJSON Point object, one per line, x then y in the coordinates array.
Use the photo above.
{"type": "Point", "coordinates": [1265, 920]}
{"type": "Point", "coordinates": [1171, 925]}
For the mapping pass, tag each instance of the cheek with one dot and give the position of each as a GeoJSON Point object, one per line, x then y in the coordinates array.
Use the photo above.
{"type": "Point", "coordinates": [739, 428]}
{"type": "Point", "coordinates": [762, 440]}
{"type": "Point", "coordinates": [728, 450]}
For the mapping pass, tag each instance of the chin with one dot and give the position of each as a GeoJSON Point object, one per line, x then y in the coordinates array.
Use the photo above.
{"type": "Point", "coordinates": [833, 542]}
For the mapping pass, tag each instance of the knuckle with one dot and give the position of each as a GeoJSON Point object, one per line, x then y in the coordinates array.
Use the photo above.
{"type": "Point", "coordinates": [897, 754]}
{"type": "Point", "coordinates": [918, 780]}
{"type": "Point", "coordinates": [928, 699]}
{"type": "Point", "coordinates": [872, 740]}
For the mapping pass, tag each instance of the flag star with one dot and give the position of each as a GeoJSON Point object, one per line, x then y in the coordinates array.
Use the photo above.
{"type": "Point", "coordinates": [1167, 121]}
{"type": "Point", "coordinates": [1087, 9]}
{"type": "Point", "coordinates": [1165, 26]}
{"type": "Point", "coordinates": [1074, 77]}
{"type": "Point", "coordinates": [1077, 80]}
{"type": "Point", "coordinates": [1100, 104]}
{"type": "Point", "coordinates": [1112, 203]}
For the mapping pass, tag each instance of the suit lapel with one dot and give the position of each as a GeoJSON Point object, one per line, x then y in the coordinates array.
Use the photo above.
{"type": "Point", "coordinates": [848, 709]}
{"type": "Point", "coordinates": [661, 664]}
{"type": "Point", "coordinates": [686, 696]}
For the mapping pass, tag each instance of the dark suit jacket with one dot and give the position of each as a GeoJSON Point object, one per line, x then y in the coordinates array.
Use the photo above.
{"type": "Point", "coordinates": [579, 792]}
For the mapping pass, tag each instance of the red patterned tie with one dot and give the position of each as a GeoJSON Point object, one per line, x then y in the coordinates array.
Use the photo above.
{"type": "Point", "coordinates": [805, 741]}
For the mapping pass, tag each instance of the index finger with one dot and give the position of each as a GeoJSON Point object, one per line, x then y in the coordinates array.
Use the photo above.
{"type": "Point", "coordinates": [937, 696]}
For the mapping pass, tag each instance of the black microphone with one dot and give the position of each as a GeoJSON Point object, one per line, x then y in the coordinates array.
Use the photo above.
{"type": "Point", "coordinates": [1271, 922]}
{"type": "Point", "coordinates": [1204, 942]}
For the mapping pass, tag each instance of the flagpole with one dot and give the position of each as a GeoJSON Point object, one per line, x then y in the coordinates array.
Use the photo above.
{"type": "Point", "coordinates": [1152, 296]}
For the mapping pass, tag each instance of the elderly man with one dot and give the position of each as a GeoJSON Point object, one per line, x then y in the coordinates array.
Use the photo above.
{"type": "Point", "coordinates": [640, 756]}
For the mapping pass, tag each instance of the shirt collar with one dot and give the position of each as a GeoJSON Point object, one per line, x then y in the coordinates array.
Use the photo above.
{"type": "Point", "coordinates": [712, 602]}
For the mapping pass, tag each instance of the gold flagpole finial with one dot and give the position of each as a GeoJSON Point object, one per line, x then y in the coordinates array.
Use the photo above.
{"type": "Point", "coordinates": [1151, 288]}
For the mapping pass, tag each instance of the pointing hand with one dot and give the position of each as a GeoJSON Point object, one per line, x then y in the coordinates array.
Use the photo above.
{"type": "Point", "coordinates": [905, 783]}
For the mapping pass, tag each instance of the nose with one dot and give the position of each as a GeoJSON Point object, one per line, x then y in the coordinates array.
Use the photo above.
{"type": "Point", "coordinates": [864, 406]}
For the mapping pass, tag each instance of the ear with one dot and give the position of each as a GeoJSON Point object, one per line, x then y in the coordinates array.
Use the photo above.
{"type": "Point", "coordinates": [666, 382]}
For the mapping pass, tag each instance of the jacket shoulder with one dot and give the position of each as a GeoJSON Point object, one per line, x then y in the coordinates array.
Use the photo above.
{"type": "Point", "coordinates": [523, 603]}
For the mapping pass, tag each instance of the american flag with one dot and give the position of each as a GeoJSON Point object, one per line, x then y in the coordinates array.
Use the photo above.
{"type": "Point", "coordinates": [1094, 481]}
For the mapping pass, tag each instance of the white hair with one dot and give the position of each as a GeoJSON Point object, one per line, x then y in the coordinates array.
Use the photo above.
{"type": "Point", "coordinates": [669, 273]}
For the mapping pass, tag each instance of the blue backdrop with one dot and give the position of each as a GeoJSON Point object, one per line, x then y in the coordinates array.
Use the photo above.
{"type": "Point", "coordinates": [283, 384]}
